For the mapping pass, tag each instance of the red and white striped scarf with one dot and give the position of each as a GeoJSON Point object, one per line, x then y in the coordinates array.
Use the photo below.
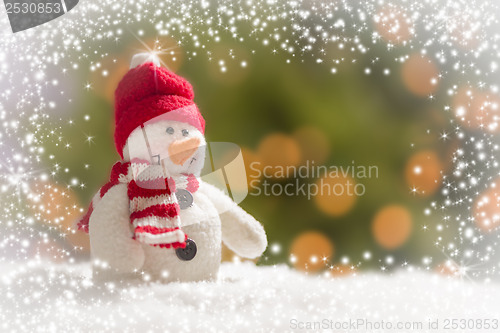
{"type": "Point", "coordinates": [154, 211]}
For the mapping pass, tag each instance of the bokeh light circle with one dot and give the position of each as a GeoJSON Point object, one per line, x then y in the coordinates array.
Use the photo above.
{"type": "Point", "coordinates": [309, 249]}
{"type": "Point", "coordinates": [314, 144]}
{"type": "Point", "coordinates": [338, 196]}
{"type": "Point", "coordinates": [423, 172]}
{"type": "Point", "coordinates": [279, 151]}
{"type": "Point", "coordinates": [392, 226]}
{"type": "Point", "coordinates": [486, 209]}
{"type": "Point", "coordinates": [420, 75]}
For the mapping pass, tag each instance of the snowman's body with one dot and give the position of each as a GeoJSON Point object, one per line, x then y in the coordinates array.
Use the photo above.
{"type": "Point", "coordinates": [202, 223]}
{"type": "Point", "coordinates": [212, 218]}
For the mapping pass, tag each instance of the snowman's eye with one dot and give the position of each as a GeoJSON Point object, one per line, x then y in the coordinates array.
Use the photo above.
{"type": "Point", "coordinates": [170, 130]}
{"type": "Point", "coordinates": [185, 132]}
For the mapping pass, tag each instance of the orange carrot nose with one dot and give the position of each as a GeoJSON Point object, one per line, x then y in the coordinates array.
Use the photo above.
{"type": "Point", "coordinates": [180, 151]}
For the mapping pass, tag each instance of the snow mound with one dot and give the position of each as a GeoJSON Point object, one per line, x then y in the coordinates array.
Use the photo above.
{"type": "Point", "coordinates": [51, 297]}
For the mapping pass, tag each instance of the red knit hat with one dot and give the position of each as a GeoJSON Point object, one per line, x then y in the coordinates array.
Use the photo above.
{"type": "Point", "coordinates": [148, 91]}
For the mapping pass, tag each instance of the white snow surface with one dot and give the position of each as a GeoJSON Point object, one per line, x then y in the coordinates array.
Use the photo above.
{"type": "Point", "coordinates": [246, 298]}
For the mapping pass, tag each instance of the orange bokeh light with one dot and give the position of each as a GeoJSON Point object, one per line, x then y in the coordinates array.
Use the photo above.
{"type": "Point", "coordinates": [392, 226]}
{"type": "Point", "coordinates": [314, 144]}
{"type": "Point", "coordinates": [337, 197]}
{"type": "Point", "coordinates": [423, 172]}
{"type": "Point", "coordinates": [279, 151]}
{"type": "Point", "coordinates": [59, 207]}
{"type": "Point", "coordinates": [341, 270]}
{"type": "Point", "coordinates": [486, 209]}
{"type": "Point", "coordinates": [393, 24]}
{"type": "Point", "coordinates": [252, 164]}
{"type": "Point", "coordinates": [477, 109]}
{"type": "Point", "coordinates": [56, 205]}
{"type": "Point", "coordinates": [420, 75]}
{"type": "Point", "coordinates": [449, 268]}
{"type": "Point", "coordinates": [310, 251]}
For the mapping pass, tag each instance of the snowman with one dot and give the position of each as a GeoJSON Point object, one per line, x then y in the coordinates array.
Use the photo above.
{"type": "Point", "coordinates": [155, 217]}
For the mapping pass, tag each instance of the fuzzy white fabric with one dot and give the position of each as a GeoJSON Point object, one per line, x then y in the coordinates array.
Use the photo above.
{"type": "Point", "coordinates": [240, 231]}
{"type": "Point", "coordinates": [110, 233]}
{"type": "Point", "coordinates": [117, 256]}
{"type": "Point", "coordinates": [137, 147]}
{"type": "Point", "coordinates": [245, 298]}
{"type": "Point", "coordinates": [142, 58]}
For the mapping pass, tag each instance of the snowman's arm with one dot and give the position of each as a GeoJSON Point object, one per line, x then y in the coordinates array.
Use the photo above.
{"type": "Point", "coordinates": [111, 235]}
{"type": "Point", "coordinates": [241, 232]}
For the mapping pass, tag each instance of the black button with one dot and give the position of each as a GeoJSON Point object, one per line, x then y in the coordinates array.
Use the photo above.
{"type": "Point", "coordinates": [187, 253]}
{"type": "Point", "coordinates": [184, 198]}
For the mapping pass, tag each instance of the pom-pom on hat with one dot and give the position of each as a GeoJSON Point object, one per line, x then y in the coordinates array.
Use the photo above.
{"type": "Point", "coordinates": [148, 91]}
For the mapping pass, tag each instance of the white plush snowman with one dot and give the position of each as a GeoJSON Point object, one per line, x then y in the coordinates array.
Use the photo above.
{"type": "Point", "coordinates": [156, 217]}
